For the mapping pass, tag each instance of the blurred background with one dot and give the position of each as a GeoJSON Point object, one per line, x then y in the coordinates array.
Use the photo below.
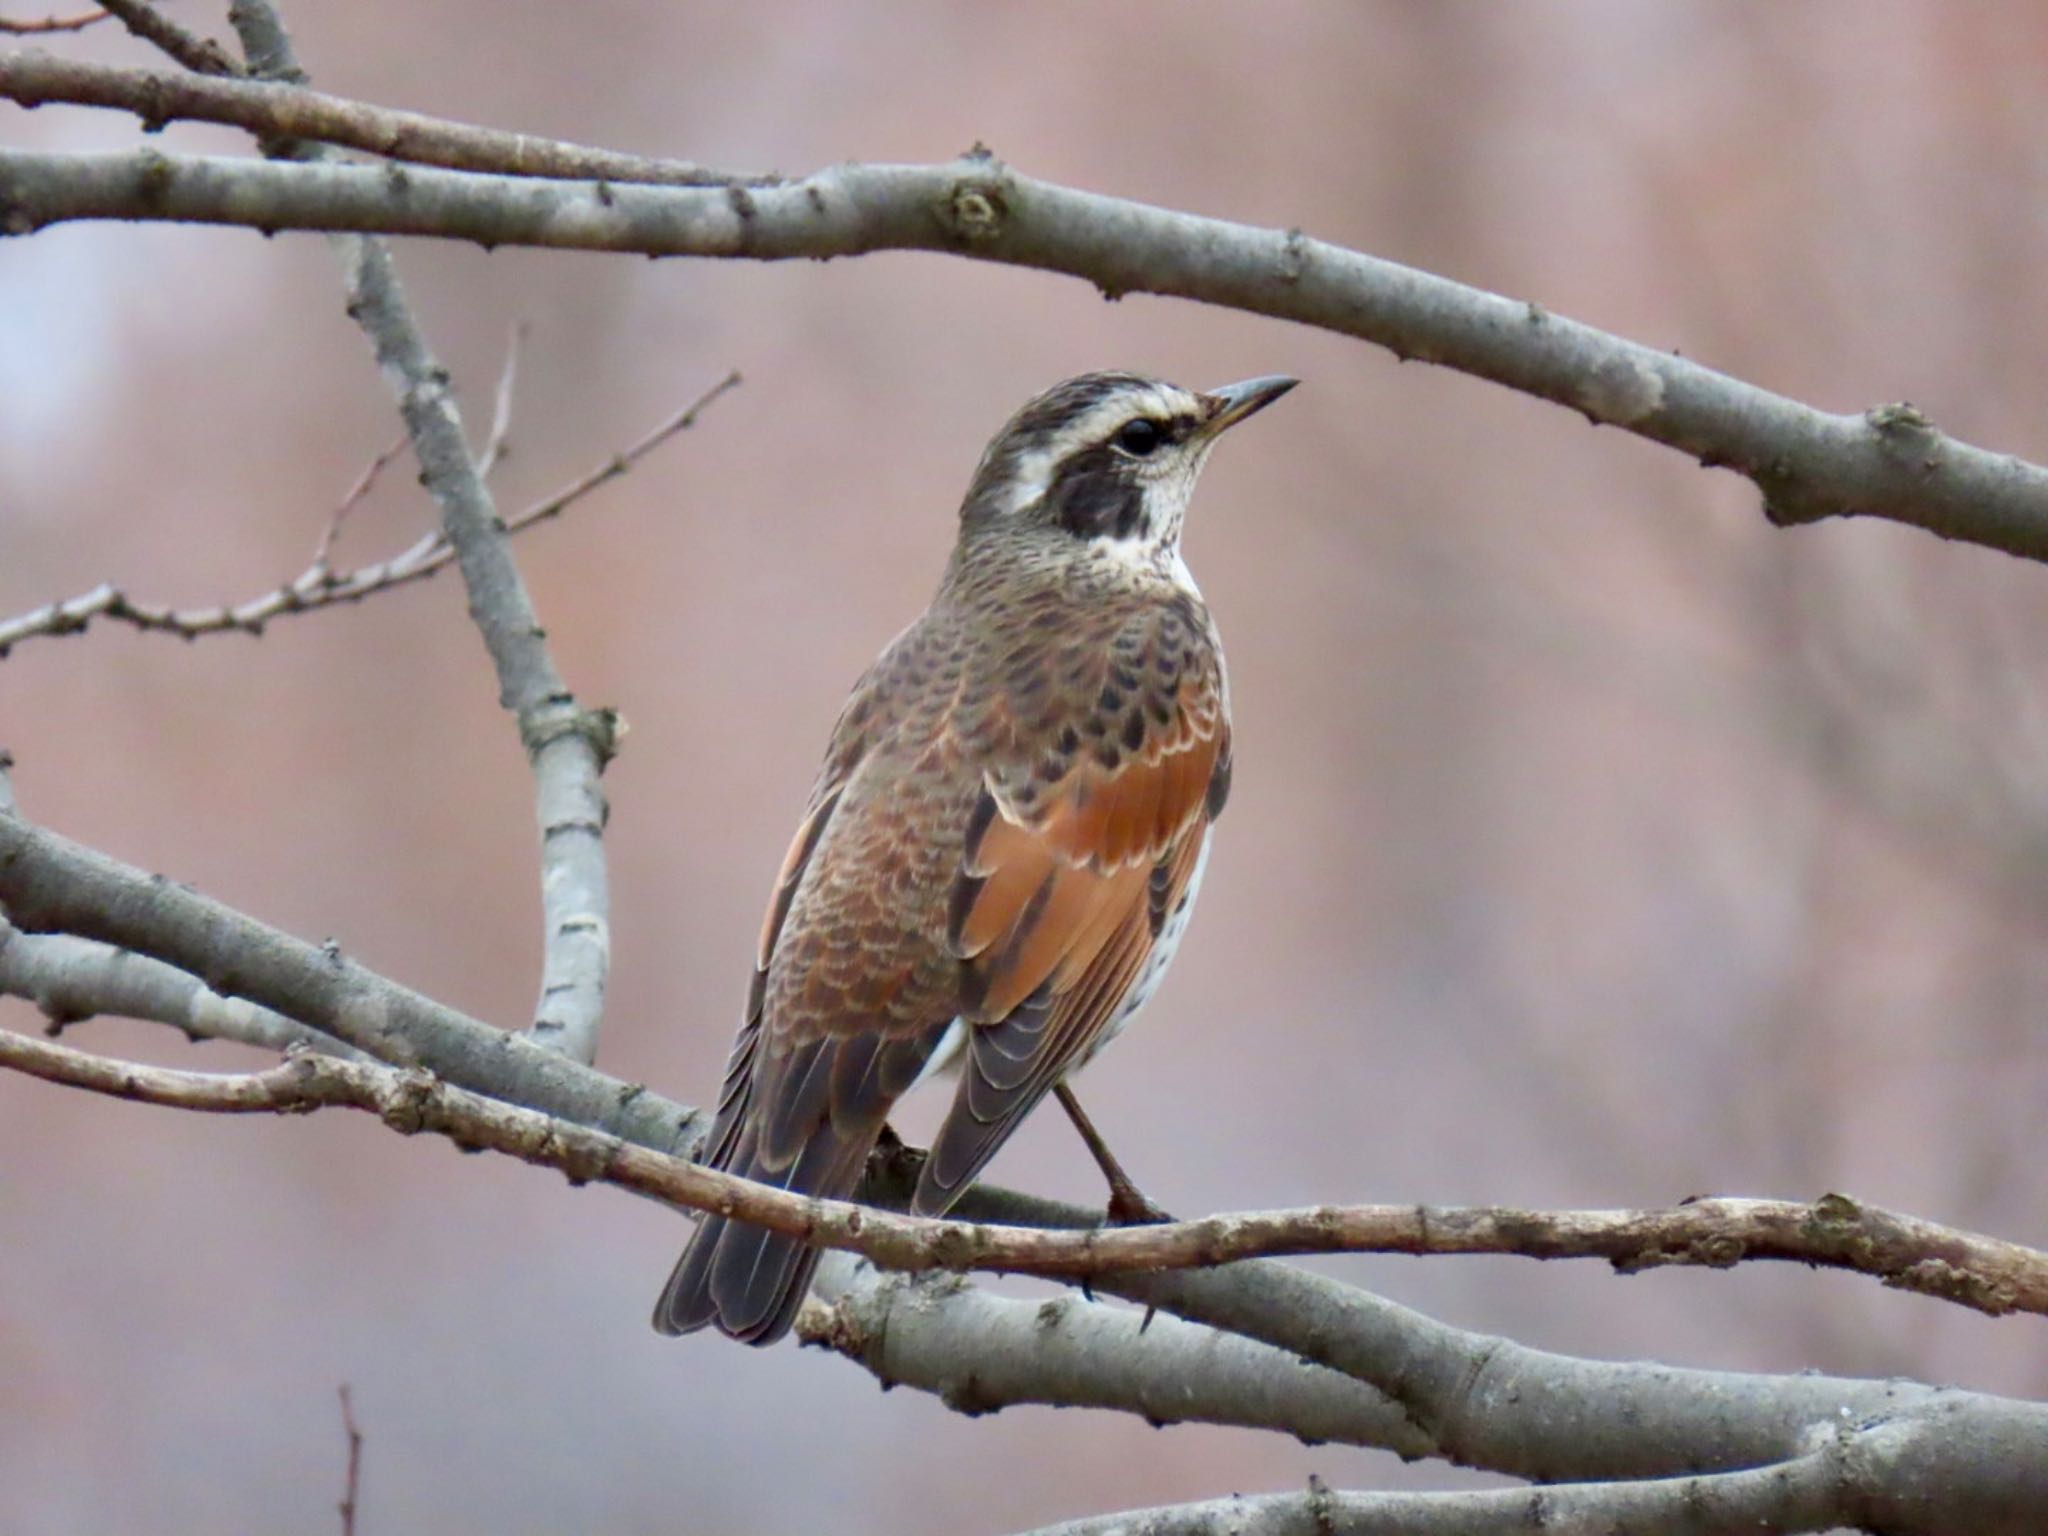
{"type": "Point", "coordinates": [1592, 842]}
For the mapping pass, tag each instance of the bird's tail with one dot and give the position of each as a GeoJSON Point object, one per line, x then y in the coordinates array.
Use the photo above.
{"type": "Point", "coordinates": [745, 1280]}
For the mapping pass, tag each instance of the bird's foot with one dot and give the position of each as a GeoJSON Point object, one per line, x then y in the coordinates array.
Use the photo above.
{"type": "Point", "coordinates": [1128, 1207]}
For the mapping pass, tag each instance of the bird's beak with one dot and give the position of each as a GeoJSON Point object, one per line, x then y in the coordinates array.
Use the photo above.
{"type": "Point", "coordinates": [1233, 402]}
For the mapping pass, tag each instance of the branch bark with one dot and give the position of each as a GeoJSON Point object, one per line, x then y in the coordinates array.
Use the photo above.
{"type": "Point", "coordinates": [51, 885]}
{"type": "Point", "coordinates": [980, 1353]}
{"type": "Point", "coordinates": [1975, 1271]}
{"type": "Point", "coordinates": [1888, 462]}
{"type": "Point", "coordinates": [144, 20]}
{"type": "Point", "coordinates": [276, 111]}
{"type": "Point", "coordinates": [567, 746]}
{"type": "Point", "coordinates": [71, 980]}
{"type": "Point", "coordinates": [1508, 1399]}
{"type": "Point", "coordinates": [1877, 1477]}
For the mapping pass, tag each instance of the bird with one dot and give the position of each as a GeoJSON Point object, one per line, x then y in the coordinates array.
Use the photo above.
{"type": "Point", "coordinates": [1004, 842]}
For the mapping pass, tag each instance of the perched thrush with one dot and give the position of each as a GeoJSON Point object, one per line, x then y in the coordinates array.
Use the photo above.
{"type": "Point", "coordinates": [1004, 842]}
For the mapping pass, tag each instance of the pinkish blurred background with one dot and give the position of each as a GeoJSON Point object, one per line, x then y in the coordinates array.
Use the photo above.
{"type": "Point", "coordinates": [1592, 842]}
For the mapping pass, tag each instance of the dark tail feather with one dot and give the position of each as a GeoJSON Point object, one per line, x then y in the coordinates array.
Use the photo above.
{"type": "Point", "coordinates": [745, 1280]}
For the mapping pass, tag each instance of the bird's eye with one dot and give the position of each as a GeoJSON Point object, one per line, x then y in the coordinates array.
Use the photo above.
{"type": "Point", "coordinates": [1139, 437]}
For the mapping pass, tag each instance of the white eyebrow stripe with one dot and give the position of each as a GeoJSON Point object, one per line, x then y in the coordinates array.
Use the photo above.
{"type": "Point", "coordinates": [1162, 403]}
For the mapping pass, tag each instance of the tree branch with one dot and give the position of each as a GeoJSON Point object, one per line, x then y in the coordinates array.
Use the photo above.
{"type": "Point", "coordinates": [1974, 1271]}
{"type": "Point", "coordinates": [145, 21]}
{"type": "Point", "coordinates": [274, 111]}
{"type": "Point", "coordinates": [51, 24]}
{"type": "Point", "coordinates": [979, 1353]}
{"type": "Point", "coordinates": [1632, 1434]}
{"type": "Point", "coordinates": [48, 884]}
{"type": "Point", "coordinates": [1900, 1478]}
{"type": "Point", "coordinates": [567, 747]}
{"type": "Point", "coordinates": [319, 585]}
{"type": "Point", "coordinates": [71, 980]}
{"type": "Point", "coordinates": [1482, 1401]}
{"type": "Point", "coordinates": [1888, 462]}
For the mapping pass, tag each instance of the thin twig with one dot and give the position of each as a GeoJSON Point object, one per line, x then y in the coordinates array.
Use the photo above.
{"type": "Point", "coordinates": [280, 112]}
{"type": "Point", "coordinates": [55, 23]}
{"type": "Point", "coordinates": [1983, 1273]}
{"type": "Point", "coordinates": [353, 1484]}
{"type": "Point", "coordinates": [143, 19]}
{"type": "Point", "coordinates": [323, 552]}
{"type": "Point", "coordinates": [318, 586]}
{"type": "Point", "coordinates": [501, 413]}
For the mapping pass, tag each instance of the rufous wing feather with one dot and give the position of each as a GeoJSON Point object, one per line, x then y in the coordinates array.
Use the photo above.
{"type": "Point", "coordinates": [1055, 918]}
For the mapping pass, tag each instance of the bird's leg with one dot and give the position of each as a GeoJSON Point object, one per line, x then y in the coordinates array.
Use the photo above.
{"type": "Point", "coordinates": [1127, 1203]}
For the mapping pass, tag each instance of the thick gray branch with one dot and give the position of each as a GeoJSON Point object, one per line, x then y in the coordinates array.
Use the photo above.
{"type": "Point", "coordinates": [1973, 1269]}
{"type": "Point", "coordinates": [1887, 462]}
{"type": "Point", "coordinates": [50, 885]}
{"type": "Point", "coordinates": [1972, 1448]}
{"type": "Point", "coordinates": [1902, 1479]}
{"type": "Point", "coordinates": [980, 1353]}
{"type": "Point", "coordinates": [71, 979]}
{"type": "Point", "coordinates": [566, 746]}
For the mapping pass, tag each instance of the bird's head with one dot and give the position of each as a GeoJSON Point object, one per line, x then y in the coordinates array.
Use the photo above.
{"type": "Point", "coordinates": [1105, 461]}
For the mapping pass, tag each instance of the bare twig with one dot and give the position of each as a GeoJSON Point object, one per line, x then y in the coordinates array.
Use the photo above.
{"type": "Point", "coordinates": [54, 24]}
{"type": "Point", "coordinates": [1888, 462]}
{"type": "Point", "coordinates": [1974, 1271]}
{"type": "Point", "coordinates": [143, 19]}
{"type": "Point", "coordinates": [501, 411]}
{"type": "Point", "coordinates": [318, 575]}
{"type": "Point", "coordinates": [318, 586]}
{"type": "Point", "coordinates": [283, 112]}
{"type": "Point", "coordinates": [353, 1481]}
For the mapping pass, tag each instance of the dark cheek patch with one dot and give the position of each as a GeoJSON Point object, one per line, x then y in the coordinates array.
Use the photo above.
{"type": "Point", "coordinates": [1093, 496]}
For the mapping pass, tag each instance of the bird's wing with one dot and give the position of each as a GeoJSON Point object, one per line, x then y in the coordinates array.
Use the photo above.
{"type": "Point", "coordinates": [1066, 879]}
{"type": "Point", "coordinates": [809, 1082]}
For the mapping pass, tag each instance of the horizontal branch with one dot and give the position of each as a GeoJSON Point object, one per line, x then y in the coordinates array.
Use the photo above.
{"type": "Point", "coordinates": [1888, 462]}
{"type": "Point", "coordinates": [47, 24]}
{"type": "Point", "coordinates": [71, 980]}
{"type": "Point", "coordinates": [1784, 1499]}
{"type": "Point", "coordinates": [1975, 1271]}
{"type": "Point", "coordinates": [1480, 1401]}
{"type": "Point", "coordinates": [274, 111]}
{"type": "Point", "coordinates": [49, 884]}
{"type": "Point", "coordinates": [1925, 1437]}
{"type": "Point", "coordinates": [979, 1353]}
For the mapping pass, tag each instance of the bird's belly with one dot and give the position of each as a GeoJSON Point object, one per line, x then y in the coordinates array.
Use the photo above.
{"type": "Point", "coordinates": [946, 1055]}
{"type": "Point", "coordinates": [1164, 947]}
